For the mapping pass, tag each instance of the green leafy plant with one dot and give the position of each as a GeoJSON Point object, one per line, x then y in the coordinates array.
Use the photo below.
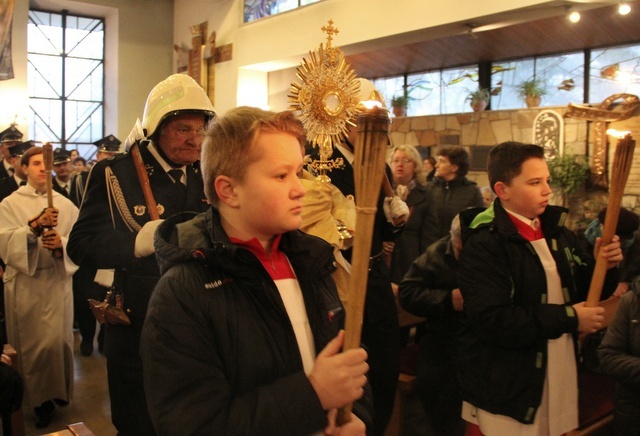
{"type": "Point", "coordinates": [400, 100]}
{"type": "Point", "coordinates": [479, 94]}
{"type": "Point", "coordinates": [531, 88]}
{"type": "Point", "coordinates": [404, 95]}
{"type": "Point", "coordinates": [569, 174]}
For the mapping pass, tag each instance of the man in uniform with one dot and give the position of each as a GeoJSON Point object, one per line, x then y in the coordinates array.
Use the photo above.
{"type": "Point", "coordinates": [19, 178]}
{"type": "Point", "coordinates": [63, 170]}
{"type": "Point", "coordinates": [115, 230]}
{"type": "Point", "coordinates": [84, 285]}
{"type": "Point", "coordinates": [8, 137]}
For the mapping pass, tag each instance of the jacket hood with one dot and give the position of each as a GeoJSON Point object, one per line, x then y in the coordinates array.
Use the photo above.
{"type": "Point", "coordinates": [180, 238]}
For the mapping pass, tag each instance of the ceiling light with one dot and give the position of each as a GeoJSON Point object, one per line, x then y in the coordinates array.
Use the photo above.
{"type": "Point", "coordinates": [574, 16]}
{"type": "Point", "coordinates": [624, 8]}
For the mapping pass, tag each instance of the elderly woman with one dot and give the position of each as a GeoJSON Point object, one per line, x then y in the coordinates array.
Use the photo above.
{"type": "Point", "coordinates": [451, 190]}
{"type": "Point", "coordinates": [421, 229]}
{"type": "Point", "coordinates": [487, 195]}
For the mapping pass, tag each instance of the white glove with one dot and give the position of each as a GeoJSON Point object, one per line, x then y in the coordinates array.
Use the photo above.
{"type": "Point", "coordinates": [394, 208]}
{"type": "Point", "coordinates": [104, 277]}
{"type": "Point", "coordinates": [144, 240]}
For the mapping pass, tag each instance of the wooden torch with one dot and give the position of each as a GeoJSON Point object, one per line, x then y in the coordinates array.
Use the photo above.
{"type": "Point", "coordinates": [369, 170]}
{"type": "Point", "coordinates": [47, 157]}
{"type": "Point", "coordinates": [621, 167]}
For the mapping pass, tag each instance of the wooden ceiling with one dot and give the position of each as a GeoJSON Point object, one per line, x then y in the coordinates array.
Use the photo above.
{"type": "Point", "coordinates": [597, 28]}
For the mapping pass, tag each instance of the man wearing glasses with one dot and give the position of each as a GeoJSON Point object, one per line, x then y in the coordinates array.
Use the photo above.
{"type": "Point", "coordinates": [115, 229]}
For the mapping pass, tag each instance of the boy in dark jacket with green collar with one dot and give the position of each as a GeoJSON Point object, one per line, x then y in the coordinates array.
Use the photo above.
{"type": "Point", "coordinates": [519, 273]}
{"type": "Point", "coordinates": [242, 334]}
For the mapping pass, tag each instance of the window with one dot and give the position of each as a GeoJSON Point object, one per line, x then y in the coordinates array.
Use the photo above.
{"type": "Point", "coordinates": [66, 79]}
{"type": "Point", "coordinates": [561, 75]}
{"type": "Point", "coordinates": [434, 92]}
{"type": "Point", "coordinates": [256, 9]}
{"type": "Point", "coordinates": [613, 71]}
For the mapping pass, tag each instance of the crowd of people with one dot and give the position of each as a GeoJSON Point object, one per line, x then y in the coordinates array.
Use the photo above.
{"type": "Point", "coordinates": [221, 298]}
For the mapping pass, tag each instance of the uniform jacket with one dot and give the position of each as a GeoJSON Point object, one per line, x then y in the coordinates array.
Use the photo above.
{"type": "Point", "coordinates": [503, 342]}
{"type": "Point", "coordinates": [451, 198]}
{"type": "Point", "coordinates": [220, 355]}
{"type": "Point", "coordinates": [3, 170]}
{"type": "Point", "coordinates": [59, 189]}
{"type": "Point", "coordinates": [78, 183]}
{"type": "Point", "coordinates": [420, 231]}
{"type": "Point", "coordinates": [7, 186]}
{"type": "Point", "coordinates": [620, 357]}
{"type": "Point", "coordinates": [111, 215]}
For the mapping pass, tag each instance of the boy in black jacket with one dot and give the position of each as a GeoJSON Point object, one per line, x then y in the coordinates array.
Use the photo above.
{"type": "Point", "coordinates": [518, 274]}
{"type": "Point", "coordinates": [242, 334]}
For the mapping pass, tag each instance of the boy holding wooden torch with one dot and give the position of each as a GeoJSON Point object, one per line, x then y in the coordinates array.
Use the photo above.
{"type": "Point", "coordinates": [520, 270]}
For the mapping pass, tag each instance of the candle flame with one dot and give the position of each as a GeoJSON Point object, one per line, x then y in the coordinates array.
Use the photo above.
{"type": "Point", "coordinates": [618, 133]}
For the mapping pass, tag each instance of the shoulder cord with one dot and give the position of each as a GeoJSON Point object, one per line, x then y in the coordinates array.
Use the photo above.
{"type": "Point", "coordinates": [114, 191]}
{"type": "Point", "coordinates": [80, 187]}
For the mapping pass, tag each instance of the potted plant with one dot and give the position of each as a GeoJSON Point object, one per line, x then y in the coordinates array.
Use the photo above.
{"type": "Point", "coordinates": [399, 103]}
{"type": "Point", "coordinates": [569, 174]}
{"type": "Point", "coordinates": [479, 99]}
{"type": "Point", "coordinates": [531, 91]}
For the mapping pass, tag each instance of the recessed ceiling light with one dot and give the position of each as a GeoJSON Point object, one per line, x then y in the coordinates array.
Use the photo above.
{"type": "Point", "coordinates": [574, 16]}
{"type": "Point", "coordinates": [624, 8]}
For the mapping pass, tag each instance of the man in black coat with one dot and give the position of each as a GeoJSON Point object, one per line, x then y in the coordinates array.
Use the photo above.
{"type": "Point", "coordinates": [8, 138]}
{"type": "Point", "coordinates": [115, 230]}
{"type": "Point", "coordinates": [84, 285]}
{"type": "Point", "coordinates": [19, 178]}
{"type": "Point", "coordinates": [62, 168]}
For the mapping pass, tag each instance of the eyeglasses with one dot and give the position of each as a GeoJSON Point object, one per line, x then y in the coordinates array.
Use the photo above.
{"type": "Point", "coordinates": [188, 131]}
{"type": "Point", "coordinates": [404, 160]}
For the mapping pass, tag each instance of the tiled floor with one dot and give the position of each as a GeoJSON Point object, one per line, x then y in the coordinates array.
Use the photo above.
{"type": "Point", "coordinates": [90, 403]}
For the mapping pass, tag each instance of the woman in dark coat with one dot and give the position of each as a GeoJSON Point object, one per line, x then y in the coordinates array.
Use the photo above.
{"type": "Point", "coordinates": [421, 229]}
{"type": "Point", "coordinates": [452, 191]}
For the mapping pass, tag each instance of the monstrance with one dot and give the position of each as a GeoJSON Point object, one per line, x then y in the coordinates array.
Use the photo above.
{"type": "Point", "coordinates": [326, 100]}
